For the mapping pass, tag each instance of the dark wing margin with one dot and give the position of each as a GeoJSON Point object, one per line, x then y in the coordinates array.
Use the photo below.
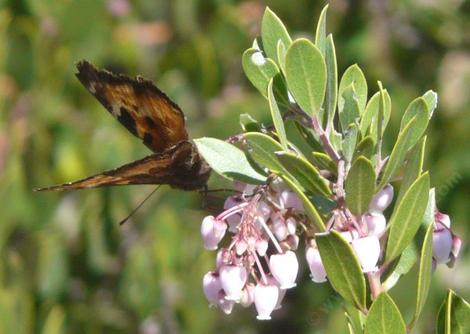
{"type": "Point", "coordinates": [138, 105]}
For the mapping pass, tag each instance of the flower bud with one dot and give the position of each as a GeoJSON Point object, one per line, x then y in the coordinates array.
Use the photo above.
{"type": "Point", "coordinates": [240, 247]}
{"type": "Point", "coordinates": [441, 245]}
{"type": "Point", "coordinates": [279, 228]}
{"type": "Point", "coordinates": [368, 251]}
{"type": "Point", "coordinates": [284, 268]}
{"type": "Point", "coordinates": [290, 200]}
{"type": "Point", "coordinates": [248, 295]}
{"type": "Point", "coordinates": [211, 287]}
{"type": "Point", "coordinates": [264, 209]}
{"type": "Point", "coordinates": [375, 223]}
{"type": "Point", "coordinates": [212, 231]}
{"type": "Point", "coordinates": [266, 297]}
{"type": "Point", "coordinates": [349, 235]}
{"type": "Point", "coordinates": [261, 246]}
{"type": "Point", "coordinates": [381, 200]}
{"type": "Point", "coordinates": [291, 224]}
{"type": "Point", "coordinates": [293, 241]}
{"type": "Point", "coordinates": [317, 270]}
{"type": "Point", "coordinates": [233, 279]}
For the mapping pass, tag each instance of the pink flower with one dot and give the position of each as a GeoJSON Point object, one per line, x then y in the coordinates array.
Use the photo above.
{"type": "Point", "coordinates": [317, 270]}
{"type": "Point", "coordinates": [266, 297]}
{"type": "Point", "coordinates": [233, 220]}
{"type": "Point", "coordinates": [212, 287]}
{"type": "Point", "coordinates": [248, 296]}
{"type": "Point", "coordinates": [381, 200]}
{"type": "Point", "coordinates": [368, 251]}
{"type": "Point", "coordinates": [212, 231]}
{"type": "Point", "coordinates": [233, 279]}
{"type": "Point", "coordinates": [284, 268]}
{"type": "Point", "coordinates": [290, 200]}
{"type": "Point", "coordinates": [441, 245]}
{"type": "Point", "coordinates": [375, 223]}
{"type": "Point", "coordinates": [279, 227]}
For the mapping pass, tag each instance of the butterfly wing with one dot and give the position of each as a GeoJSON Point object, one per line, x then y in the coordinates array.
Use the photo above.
{"type": "Point", "coordinates": [138, 105]}
{"type": "Point", "coordinates": [179, 167]}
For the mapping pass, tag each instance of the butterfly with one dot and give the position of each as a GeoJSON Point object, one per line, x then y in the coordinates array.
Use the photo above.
{"type": "Point", "coordinates": [146, 112]}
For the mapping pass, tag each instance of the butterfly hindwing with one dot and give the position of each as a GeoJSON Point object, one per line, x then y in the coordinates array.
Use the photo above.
{"type": "Point", "coordinates": [178, 167]}
{"type": "Point", "coordinates": [138, 105]}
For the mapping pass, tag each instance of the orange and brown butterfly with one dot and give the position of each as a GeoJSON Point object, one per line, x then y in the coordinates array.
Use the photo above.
{"type": "Point", "coordinates": [150, 115]}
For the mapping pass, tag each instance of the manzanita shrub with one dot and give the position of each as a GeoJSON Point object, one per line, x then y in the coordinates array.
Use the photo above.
{"type": "Point", "coordinates": [361, 217]}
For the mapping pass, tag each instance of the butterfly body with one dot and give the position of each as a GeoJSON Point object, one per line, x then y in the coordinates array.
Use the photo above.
{"type": "Point", "coordinates": [149, 114]}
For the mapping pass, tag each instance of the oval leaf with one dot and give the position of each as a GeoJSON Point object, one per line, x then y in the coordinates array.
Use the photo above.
{"type": "Point", "coordinates": [407, 217]}
{"type": "Point", "coordinates": [228, 161]}
{"type": "Point", "coordinates": [342, 267]}
{"type": "Point", "coordinates": [348, 107]}
{"type": "Point", "coordinates": [417, 109]}
{"type": "Point", "coordinates": [354, 75]}
{"type": "Point", "coordinates": [360, 186]}
{"type": "Point", "coordinates": [369, 118]}
{"type": "Point", "coordinates": [259, 70]}
{"type": "Point", "coordinates": [306, 75]}
{"type": "Point", "coordinates": [454, 315]}
{"type": "Point", "coordinates": [304, 173]}
{"type": "Point", "coordinates": [384, 317]}
{"type": "Point", "coordinates": [273, 30]}
{"type": "Point", "coordinates": [263, 151]}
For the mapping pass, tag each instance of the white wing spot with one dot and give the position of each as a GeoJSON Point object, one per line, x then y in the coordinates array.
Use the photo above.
{"type": "Point", "coordinates": [92, 87]}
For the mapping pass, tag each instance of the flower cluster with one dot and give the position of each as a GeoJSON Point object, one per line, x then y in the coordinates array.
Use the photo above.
{"type": "Point", "coordinates": [259, 264]}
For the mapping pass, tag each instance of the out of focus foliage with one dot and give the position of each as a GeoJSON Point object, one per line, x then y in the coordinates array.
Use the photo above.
{"type": "Point", "coordinates": [65, 264]}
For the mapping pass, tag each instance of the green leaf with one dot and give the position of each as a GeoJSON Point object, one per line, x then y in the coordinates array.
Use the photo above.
{"type": "Point", "coordinates": [320, 34]}
{"type": "Point", "coordinates": [249, 124]}
{"type": "Point", "coordinates": [306, 75]}
{"type": "Point", "coordinates": [454, 315]}
{"type": "Point", "coordinates": [418, 110]}
{"type": "Point", "coordinates": [431, 101]}
{"type": "Point", "coordinates": [398, 153]}
{"type": "Point", "coordinates": [276, 116]}
{"type": "Point", "coordinates": [273, 30]}
{"type": "Point", "coordinates": [407, 217]}
{"type": "Point", "coordinates": [332, 80]}
{"type": "Point", "coordinates": [348, 107]}
{"type": "Point", "coordinates": [369, 119]}
{"type": "Point", "coordinates": [354, 75]}
{"type": "Point", "coordinates": [425, 272]}
{"type": "Point", "coordinates": [365, 147]}
{"type": "Point", "coordinates": [413, 167]}
{"type": "Point", "coordinates": [259, 70]}
{"type": "Point", "coordinates": [349, 142]}
{"type": "Point", "coordinates": [323, 161]}
{"type": "Point", "coordinates": [281, 55]}
{"type": "Point", "coordinates": [263, 151]}
{"type": "Point", "coordinates": [228, 161]}
{"type": "Point", "coordinates": [360, 186]}
{"type": "Point", "coordinates": [410, 254]}
{"type": "Point", "coordinates": [342, 267]}
{"type": "Point", "coordinates": [304, 173]}
{"type": "Point", "coordinates": [310, 209]}
{"type": "Point", "coordinates": [384, 317]}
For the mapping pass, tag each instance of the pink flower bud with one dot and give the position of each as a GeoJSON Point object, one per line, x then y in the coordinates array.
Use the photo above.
{"type": "Point", "coordinates": [284, 268]}
{"type": "Point", "coordinates": [279, 228]}
{"type": "Point", "coordinates": [212, 231]}
{"type": "Point", "coordinates": [233, 220]}
{"type": "Point", "coordinates": [264, 209]}
{"type": "Point", "coordinates": [441, 245]}
{"type": "Point", "coordinates": [293, 241]}
{"type": "Point", "coordinates": [266, 297]}
{"type": "Point", "coordinates": [375, 223]}
{"type": "Point", "coordinates": [317, 270]}
{"type": "Point", "coordinates": [291, 224]}
{"type": "Point", "coordinates": [290, 200]}
{"type": "Point", "coordinates": [368, 251]}
{"type": "Point", "coordinates": [382, 199]}
{"type": "Point", "coordinates": [233, 279]}
{"type": "Point", "coordinates": [212, 287]}
{"type": "Point", "coordinates": [248, 295]}
{"type": "Point", "coordinates": [442, 218]}
{"type": "Point", "coordinates": [261, 247]}
{"type": "Point", "coordinates": [240, 247]}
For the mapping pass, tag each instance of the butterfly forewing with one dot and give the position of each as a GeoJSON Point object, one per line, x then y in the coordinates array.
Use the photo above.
{"type": "Point", "coordinates": [138, 105]}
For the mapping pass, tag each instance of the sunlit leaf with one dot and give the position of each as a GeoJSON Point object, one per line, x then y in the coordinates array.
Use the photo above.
{"type": "Point", "coordinates": [384, 317]}
{"type": "Point", "coordinates": [273, 30]}
{"type": "Point", "coordinates": [354, 75]}
{"type": "Point", "coordinates": [276, 116]}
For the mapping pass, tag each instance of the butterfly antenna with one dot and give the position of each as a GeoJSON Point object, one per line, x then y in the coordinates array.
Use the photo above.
{"type": "Point", "coordinates": [138, 206]}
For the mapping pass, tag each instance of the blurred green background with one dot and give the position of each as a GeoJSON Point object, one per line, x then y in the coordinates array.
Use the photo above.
{"type": "Point", "coordinates": [65, 264]}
